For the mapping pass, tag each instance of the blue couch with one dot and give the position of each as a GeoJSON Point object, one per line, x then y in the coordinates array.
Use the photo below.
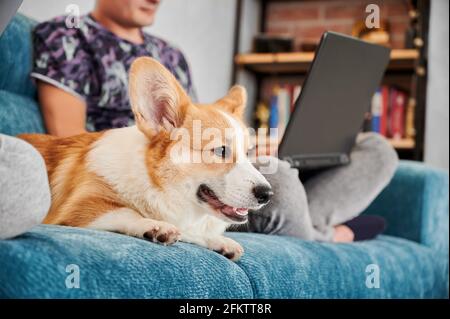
{"type": "Point", "coordinates": [411, 259]}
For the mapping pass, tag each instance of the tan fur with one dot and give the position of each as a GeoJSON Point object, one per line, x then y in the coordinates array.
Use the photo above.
{"type": "Point", "coordinates": [125, 180]}
{"type": "Point", "coordinates": [160, 145]}
{"type": "Point", "coordinates": [78, 196]}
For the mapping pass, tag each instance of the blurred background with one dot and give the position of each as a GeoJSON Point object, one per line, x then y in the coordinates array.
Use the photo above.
{"type": "Point", "coordinates": [268, 45]}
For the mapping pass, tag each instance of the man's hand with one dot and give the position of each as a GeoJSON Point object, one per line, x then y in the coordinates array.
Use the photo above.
{"type": "Point", "coordinates": [64, 114]}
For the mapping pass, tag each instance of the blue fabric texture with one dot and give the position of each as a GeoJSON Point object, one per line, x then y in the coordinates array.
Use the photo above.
{"type": "Point", "coordinates": [116, 266]}
{"type": "Point", "coordinates": [19, 111]}
{"type": "Point", "coordinates": [19, 114]}
{"type": "Point", "coordinates": [16, 57]}
{"type": "Point", "coordinates": [412, 259]}
{"type": "Point", "coordinates": [415, 205]}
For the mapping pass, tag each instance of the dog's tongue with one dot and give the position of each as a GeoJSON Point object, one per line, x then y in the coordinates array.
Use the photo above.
{"type": "Point", "coordinates": [232, 210]}
{"type": "Point", "coordinates": [242, 211]}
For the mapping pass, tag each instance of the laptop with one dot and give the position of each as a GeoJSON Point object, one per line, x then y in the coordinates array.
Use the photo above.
{"type": "Point", "coordinates": [336, 95]}
{"type": "Point", "coordinates": [8, 9]}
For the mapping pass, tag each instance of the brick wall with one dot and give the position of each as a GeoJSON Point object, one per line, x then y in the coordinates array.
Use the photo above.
{"type": "Point", "coordinates": [307, 20]}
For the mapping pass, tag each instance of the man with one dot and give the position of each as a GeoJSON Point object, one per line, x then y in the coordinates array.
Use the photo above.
{"type": "Point", "coordinates": [81, 77]}
{"type": "Point", "coordinates": [82, 71]}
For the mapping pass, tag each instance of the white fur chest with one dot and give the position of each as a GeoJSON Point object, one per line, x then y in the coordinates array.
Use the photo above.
{"type": "Point", "coordinates": [119, 158]}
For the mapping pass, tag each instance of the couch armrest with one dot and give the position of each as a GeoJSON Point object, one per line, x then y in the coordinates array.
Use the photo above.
{"type": "Point", "coordinates": [415, 205]}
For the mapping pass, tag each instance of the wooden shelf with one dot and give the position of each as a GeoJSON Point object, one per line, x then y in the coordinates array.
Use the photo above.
{"type": "Point", "coordinates": [403, 144]}
{"type": "Point", "coordinates": [299, 62]}
{"type": "Point", "coordinates": [401, 71]}
{"type": "Point", "coordinates": [399, 144]}
{"type": "Point", "coordinates": [289, 0]}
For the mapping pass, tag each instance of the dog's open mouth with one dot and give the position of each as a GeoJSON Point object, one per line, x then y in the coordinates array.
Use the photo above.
{"type": "Point", "coordinates": [206, 195]}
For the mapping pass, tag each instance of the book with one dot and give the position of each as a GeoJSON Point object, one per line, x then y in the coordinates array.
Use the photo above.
{"type": "Point", "coordinates": [410, 131]}
{"type": "Point", "coordinates": [280, 103]}
{"type": "Point", "coordinates": [398, 100]}
{"type": "Point", "coordinates": [284, 109]}
{"type": "Point", "coordinates": [273, 117]}
{"type": "Point", "coordinates": [376, 109]}
{"type": "Point", "coordinates": [384, 110]}
{"type": "Point", "coordinates": [262, 115]}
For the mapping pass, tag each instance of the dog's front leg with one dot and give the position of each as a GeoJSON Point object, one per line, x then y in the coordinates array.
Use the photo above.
{"type": "Point", "coordinates": [220, 244]}
{"type": "Point", "coordinates": [129, 222]}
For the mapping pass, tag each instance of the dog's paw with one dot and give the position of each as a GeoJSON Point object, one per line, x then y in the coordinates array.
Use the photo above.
{"type": "Point", "coordinates": [226, 247]}
{"type": "Point", "coordinates": [163, 233]}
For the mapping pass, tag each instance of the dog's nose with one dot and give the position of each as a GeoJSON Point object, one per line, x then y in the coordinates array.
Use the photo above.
{"type": "Point", "coordinates": [263, 193]}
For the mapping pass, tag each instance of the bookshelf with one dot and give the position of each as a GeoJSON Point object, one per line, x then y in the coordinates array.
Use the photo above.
{"type": "Point", "coordinates": [272, 144]}
{"type": "Point", "coordinates": [299, 62]}
{"type": "Point", "coordinates": [407, 70]}
{"type": "Point", "coordinates": [403, 144]}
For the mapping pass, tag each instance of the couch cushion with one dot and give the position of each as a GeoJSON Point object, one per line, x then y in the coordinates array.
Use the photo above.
{"type": "Point", "coordinates": [19, 114]}
{"type": "Point", "coordinates": [16, 57]}
{"type": "Point", "coordinates": [113, 266]}
{"type": "Point", "coordinates": [286, 267]}
{"type": "Point", "coordinates": [118, 266]}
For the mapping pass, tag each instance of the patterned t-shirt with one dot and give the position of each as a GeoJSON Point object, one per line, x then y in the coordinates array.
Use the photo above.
{"type": "Point", "coordinates": [92, 63]}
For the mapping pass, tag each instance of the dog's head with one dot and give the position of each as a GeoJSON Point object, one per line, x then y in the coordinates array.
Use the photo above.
{"type": "Point", "coordinates": [197, 152]}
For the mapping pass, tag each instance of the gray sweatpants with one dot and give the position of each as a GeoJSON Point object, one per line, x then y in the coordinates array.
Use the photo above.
{"type": "Point", "coordinates": [330, 197]}
{"type": "Point", "coordinates": [309, 212]}
{"type": "Point", "coordinates": [24, 189]}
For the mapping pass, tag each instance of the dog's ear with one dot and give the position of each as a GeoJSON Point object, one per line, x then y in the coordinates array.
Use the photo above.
{"type": "Point", "coordinates": [157, 99]}
{"type": "Point", "coordinates": [234, 102]}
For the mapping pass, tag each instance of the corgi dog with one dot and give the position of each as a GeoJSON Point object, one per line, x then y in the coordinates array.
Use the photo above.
{"type": "Point", "coordinates": [130, 180]}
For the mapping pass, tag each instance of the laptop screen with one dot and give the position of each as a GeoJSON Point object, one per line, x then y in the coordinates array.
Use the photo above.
{"type": "Point", "coordinates": [336, 94]}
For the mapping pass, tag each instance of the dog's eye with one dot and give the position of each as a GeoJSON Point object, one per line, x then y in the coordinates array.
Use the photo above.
{"type": "Point", "coordinates": [222, 151]}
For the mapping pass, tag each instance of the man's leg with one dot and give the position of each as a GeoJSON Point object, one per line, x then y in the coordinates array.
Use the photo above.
{"type": "Point", "coordinates": [332, 196]}
{"type": "Point", "coordinates": [287, 212]}
{"type": "Point", "coordinates": [25, 193]}
{"type": "Point", "coordinates": [339, 194]}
